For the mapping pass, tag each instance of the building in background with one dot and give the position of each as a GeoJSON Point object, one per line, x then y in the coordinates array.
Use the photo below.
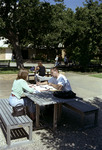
{"type": "Point", "coordinates": [29, 53]}
{"type": "Point", "coordinates": [5, 50]}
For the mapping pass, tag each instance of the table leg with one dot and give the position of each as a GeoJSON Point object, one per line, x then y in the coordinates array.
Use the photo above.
{"type": "Point", "coordinates": [96, 118]}
{"type": "Point", "coordinates": [37, 115]}
{"type": "Point", "coordinates": [55, 117]}
{"type": "Point", "coordinates": [59, 111]}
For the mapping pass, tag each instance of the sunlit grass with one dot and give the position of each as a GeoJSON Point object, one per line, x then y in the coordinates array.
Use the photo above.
{"type": "Point", "coordinates": [98, 75]}
{"type": "Point", "coordinates": [10, 70]}
{"type": "Point", "coordinates": [7, 70]}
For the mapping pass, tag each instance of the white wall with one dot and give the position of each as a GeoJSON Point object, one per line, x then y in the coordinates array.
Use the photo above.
{"type": "Point", "coordinates": [8, 54]}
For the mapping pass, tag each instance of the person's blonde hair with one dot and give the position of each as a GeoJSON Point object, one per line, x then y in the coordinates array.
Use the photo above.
{"type": "Point", "coordinates": [22, 74]}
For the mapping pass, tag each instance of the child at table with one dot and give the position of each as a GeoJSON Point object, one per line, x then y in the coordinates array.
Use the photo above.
{"type": "Point", "coordinates": [19, 85]}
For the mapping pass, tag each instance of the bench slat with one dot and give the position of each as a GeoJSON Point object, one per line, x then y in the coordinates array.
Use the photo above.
{"type": "Point", "coordinates": [11, 124]}
{"type": "Point", "coordinates": [82, 106]}
{"type": "Point", "coordinates": [7, 114]}
{"type": "Point", "coordinates": [23, 119]}
{"type": "Point", "coordinates": [20, 119]}
{"type": "Point", "coordinates": [14, 120]}
{"type": "Point", "coordinates": [4, 118]}
{"type": "Point", "coordinates": [83, 109]}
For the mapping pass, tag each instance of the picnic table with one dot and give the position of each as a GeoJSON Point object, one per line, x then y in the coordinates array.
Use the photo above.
{"type": "Point", "coordinates": [31, 74]}
{"type": "Point", "coordinates": [4, 63]}
{"type": "Point", "coordinates": [35, 75]}
{"type": "Point", "coordinates": [47, 98]}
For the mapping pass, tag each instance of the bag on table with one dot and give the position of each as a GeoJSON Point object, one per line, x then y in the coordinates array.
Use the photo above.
{"type": "Point", "coordinates": [64, 94]}
{"type": "Point", "coordinates": [19, 110]}
{"type": "Point", "coordinates": [32, 69]}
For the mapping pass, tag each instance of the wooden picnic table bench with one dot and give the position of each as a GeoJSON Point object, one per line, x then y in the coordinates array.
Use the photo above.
{"type": "Point", "coordinates": [13, 127]}
{"type": "Point", "coordinates": [75, 104]}
{"type": "Point", "coordinates": [46, 98]}
{"type": "Point", "coordinates": [5, 63]}
{"type": "Point", "coordinates": [33, 74]}
{"type": "Point", "coordinates": [83, 109]}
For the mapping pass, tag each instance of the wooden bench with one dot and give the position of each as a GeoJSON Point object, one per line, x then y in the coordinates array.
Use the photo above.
{"type": "Point", "coordinates": [13, 127]}
{"type": "Point", "coordinates": [42, 79]}
{"type": "Point", "coordinates": [31, 75]}
{"type": "Point", "coordinates": [83, 109]}
{"type": "Point", "coordinates": [47, 73]}
{"type": "Point", "coordinates": [5, 63]}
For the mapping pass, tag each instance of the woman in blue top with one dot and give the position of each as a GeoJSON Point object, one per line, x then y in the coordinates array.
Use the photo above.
{"type": "Point", "coordinates": [19, 85]}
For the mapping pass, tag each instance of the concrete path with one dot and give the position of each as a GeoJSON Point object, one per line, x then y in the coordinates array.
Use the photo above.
{"type": "Point", "coordinates": [84, 86]}
{"type": "Point", "coordinates": [67, 136]}
{"type": "Point", "coordinates": [6, 84]}
{"type": "Point", "coordinates": [47, 65]}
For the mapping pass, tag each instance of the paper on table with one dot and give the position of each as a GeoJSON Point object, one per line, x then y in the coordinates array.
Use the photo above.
{"type": "Point", "coordinates": [36, 91]}
{"type": "Point", "coordinates": [34, 87]}
{"type": "Point", "coordinates": [49, 87]}
{"type": "Point", "coordinates": [42, 88]}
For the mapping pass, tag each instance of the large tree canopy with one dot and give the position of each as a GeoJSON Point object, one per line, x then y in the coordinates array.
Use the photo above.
{"type": "Point", "coordinates": [25, 22]}
{"type": "Point", "coordinates": [14, 23]}
{"type": "Point", "coordinates": [84, 41]}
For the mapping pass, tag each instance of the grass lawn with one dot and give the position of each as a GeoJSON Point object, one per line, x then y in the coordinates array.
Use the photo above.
{"type": "Point", "coordinates": [98, 75]}
{"type": "Point", "coordinates": [13, 70]}
{"type": "Point", "coordinates": [8, 70]}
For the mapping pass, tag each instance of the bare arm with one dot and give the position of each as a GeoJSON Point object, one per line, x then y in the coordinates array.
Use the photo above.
{"type": "Point", "coordinates": [42, 83]}
{"type": "Point", "coordinates": [37, 68]}
{"type": "Point", "coordinates": [57, 86]}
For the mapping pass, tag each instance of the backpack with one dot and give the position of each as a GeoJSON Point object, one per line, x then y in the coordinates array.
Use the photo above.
{"type": "Point", "coordinates": [64, 94]}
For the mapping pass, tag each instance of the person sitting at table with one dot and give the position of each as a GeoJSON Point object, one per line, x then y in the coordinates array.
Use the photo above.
{"type": "Point", "coordinates": [19, 85]}
{"type": "Point", "coordinates": [40, 69]}
{"type": "Point", "coordinates": [58, 81]}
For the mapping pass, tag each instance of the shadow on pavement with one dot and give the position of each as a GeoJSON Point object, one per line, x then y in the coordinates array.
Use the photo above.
{"type": "Point", "coordinates": [69, 137]}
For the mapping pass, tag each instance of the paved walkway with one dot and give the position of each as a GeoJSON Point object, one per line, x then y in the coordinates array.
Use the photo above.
{"type": "Point", "coordinates": [67, 136]}
{"type": "Point", "coordinates": [85, 86]}
{"type": "Point", "coordinates": [47, 65]}
{"type": "Point", "coordinates": [6, 84]}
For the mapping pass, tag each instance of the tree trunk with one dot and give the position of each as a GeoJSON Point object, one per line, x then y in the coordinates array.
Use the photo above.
{"type": "Point", "coordinates": [17, 50]}
{"type": "Point", "coordinates": [18, 56]}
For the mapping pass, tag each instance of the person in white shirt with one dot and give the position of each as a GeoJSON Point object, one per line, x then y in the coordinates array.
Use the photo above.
{"type": "Point", "coordinates": [56, 61]}
{"type": "Point", "coordinates": [58, 81]}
